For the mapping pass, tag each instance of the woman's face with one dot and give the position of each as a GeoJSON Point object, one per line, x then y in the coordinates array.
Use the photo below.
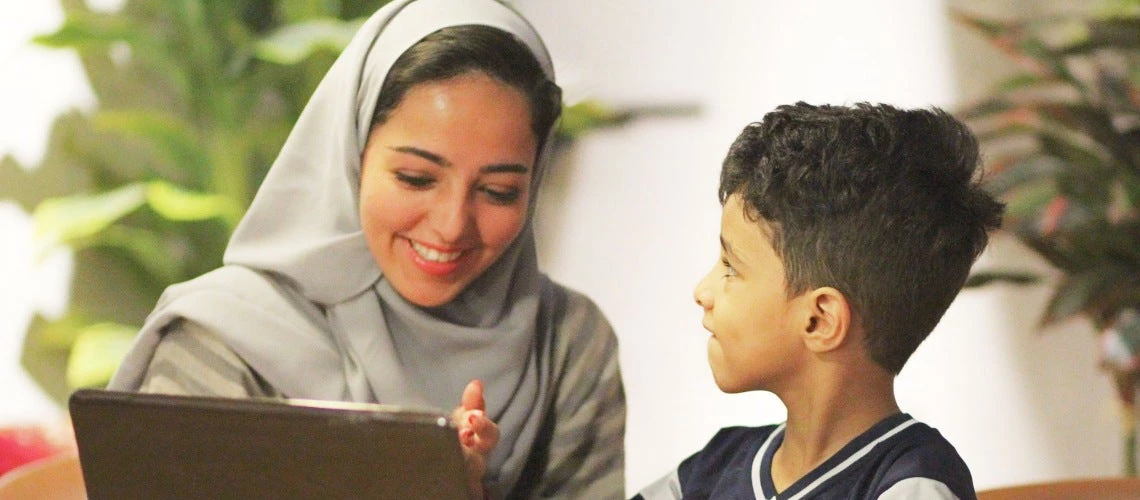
{"type": "Point", "coordinates": [445, 184]}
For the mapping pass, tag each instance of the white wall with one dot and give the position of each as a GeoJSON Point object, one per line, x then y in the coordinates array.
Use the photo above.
{"type": "Point", "coordinates": [631, 217]}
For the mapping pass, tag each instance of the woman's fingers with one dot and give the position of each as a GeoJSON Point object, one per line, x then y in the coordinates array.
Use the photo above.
{"type": "Point", "coordinates": [478, 432]}
{"type": "Point", "coordinates": [472, 399]}
{"type": "Point", "coordinates": [473, 396]}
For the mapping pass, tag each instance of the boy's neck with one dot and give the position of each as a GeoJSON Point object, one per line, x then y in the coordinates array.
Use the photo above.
{"type": "Point", "coordinates": [825, 415]}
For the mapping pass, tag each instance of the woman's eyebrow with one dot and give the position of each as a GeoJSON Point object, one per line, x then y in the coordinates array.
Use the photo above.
{"type": "Point", "coordinates": [509, 168]}
{"type": "Point", "coordinates": [496, 168]}
{"type": "Point", "coordinates": [427, 155]}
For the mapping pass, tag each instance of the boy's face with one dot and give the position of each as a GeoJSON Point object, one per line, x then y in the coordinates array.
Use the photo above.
{"type": "Point", "coordinates": [754, 343]}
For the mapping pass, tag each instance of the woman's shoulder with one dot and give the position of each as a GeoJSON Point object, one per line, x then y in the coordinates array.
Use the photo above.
{"type": "Point", "coordinates": [578, 325]}
{"type": "Point", "coordinates": [239, 292]}
{"type": "Point", "coordinates": [560, 298]}
{"type": "Point", "coordinates": [191, 359]}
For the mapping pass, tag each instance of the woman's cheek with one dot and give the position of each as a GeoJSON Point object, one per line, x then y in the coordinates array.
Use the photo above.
{"type": "Point", "coordinates": [503, 225]}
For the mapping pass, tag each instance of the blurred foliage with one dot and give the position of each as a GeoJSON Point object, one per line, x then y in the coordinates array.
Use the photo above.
{"type": "Point", "coordinates": [194, 100]}
{"type": "Point", "coordinates": [1063, 135]}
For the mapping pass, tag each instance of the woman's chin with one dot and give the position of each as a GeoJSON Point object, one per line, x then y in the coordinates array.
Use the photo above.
{"type": "Point", "coordinates": [428, 297]}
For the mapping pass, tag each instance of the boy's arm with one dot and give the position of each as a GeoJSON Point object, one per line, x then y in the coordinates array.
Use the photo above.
{"type": "Point", "coordinates": [713, 472]}
{"type": "Point", "coordinates": [929, 468]}
{"type": "Point", "coordinates": [666, 488]}
{"type": "Point", "coordinates": [921, 488]}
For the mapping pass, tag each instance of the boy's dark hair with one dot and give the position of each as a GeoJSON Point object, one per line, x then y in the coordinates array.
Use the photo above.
{"type": "Point", "coordinates": [455, 50]}
{"type": "Point", "coordinates": [878, 202]}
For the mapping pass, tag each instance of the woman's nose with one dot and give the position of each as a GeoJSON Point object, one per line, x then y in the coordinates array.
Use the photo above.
{"type": "Point", "coordinates": [452, 217]}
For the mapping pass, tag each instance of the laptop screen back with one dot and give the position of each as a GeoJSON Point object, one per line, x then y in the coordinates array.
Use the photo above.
{"type": "Point", "coordinates": [135, 445]}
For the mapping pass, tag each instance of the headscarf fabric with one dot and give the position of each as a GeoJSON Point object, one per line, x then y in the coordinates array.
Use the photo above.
{"type": "Point", "coordinates": [301, 299]}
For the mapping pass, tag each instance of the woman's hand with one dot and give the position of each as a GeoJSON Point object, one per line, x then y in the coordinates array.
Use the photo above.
{"type": "Point", "coordinates": [478, 435]}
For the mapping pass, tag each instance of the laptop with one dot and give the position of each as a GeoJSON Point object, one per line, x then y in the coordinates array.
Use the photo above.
{"type": "Point", "coordinates": [134, 445]}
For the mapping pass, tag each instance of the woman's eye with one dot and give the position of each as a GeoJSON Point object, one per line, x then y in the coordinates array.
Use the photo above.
{"type": "Point", "coordinates": [502, 196]}
{"type": "Point", "coordinates": [417, 181]}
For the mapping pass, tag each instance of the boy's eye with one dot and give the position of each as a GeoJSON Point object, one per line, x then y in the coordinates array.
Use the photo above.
{"type": "Point", "coordinates": [416, 181]}
{"type": "Point", "coordinates": [729, 271]}
{"type": "Point", "coordinates": [502, 196]}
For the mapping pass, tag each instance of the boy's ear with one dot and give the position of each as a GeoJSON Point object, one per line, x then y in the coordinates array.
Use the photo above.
{"type": "Point", "coordinates": [828, 319]}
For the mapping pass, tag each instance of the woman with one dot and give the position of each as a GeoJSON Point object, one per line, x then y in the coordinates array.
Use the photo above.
{"type": "Point", "coordinates": [389, 257]}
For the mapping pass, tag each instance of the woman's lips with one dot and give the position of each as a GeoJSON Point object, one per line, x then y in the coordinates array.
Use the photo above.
{"type": "Point", "coordinates": [432, 260]}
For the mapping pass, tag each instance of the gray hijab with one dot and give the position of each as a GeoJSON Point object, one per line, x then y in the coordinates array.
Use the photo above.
{"type": "Point", "coordinates": [302, 301]}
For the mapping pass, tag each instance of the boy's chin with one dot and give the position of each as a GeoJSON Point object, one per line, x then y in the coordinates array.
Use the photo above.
{"type": "Point", "coordinates": [729, 386]}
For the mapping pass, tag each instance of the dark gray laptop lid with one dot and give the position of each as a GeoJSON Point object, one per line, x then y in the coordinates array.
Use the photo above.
{"type": "Point", "coordinates": [134, 445]}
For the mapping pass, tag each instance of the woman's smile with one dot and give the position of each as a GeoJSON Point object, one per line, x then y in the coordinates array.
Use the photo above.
{"type": "Point", "coordinates": [434, 261]}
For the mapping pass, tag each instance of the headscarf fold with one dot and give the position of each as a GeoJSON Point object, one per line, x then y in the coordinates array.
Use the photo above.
{"type": "Point", "coordinates": [301, 299]}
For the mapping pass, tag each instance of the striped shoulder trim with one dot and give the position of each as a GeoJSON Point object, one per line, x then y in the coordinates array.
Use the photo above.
{"type": "Point", "coordinates": [757, 485]}
{"type": "Point", "coordinates": [855, 457]}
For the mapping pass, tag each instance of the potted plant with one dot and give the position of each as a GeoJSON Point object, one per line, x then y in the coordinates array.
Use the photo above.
{"type": "Point", "coordinates": [1062, 138]}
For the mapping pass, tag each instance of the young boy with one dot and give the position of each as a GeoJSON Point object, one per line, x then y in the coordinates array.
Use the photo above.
{"type": "Point", "coordinates": [846, 233]}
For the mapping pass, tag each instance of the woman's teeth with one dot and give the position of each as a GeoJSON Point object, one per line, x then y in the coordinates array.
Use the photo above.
{"type": "Point", "coordinates": [434, 255]}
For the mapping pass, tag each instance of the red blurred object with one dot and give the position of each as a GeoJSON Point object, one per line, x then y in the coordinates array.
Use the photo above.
{"type": "Point", "coordinates": [22, 445]}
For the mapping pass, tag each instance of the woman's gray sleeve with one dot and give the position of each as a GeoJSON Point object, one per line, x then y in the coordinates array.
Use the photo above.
{"type": "Point", "coordinates": [191, 360]}
{"type": "Point", "coordinates": [587, 450]}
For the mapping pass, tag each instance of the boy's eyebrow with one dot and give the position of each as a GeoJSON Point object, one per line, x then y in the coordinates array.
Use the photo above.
{"type": "Point", "coordinates": [496, 168]}
{"type": "Point", "coordinates": [724, 245]}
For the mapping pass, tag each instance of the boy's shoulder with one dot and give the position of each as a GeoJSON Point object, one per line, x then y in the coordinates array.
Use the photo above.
{"type": "Point", "coordinates": [721, 467]}
{"type": "Point", "coordinates": [899, 457]}
{"type": "Point", "coordinates": [918, 463]}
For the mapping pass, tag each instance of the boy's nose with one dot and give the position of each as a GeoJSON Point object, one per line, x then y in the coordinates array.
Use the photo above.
{"type": "Point", "coordinates": [703, 295]}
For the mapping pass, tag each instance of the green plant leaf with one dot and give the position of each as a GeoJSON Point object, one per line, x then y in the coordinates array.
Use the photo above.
{"type": "Point", "coordinates": [56, 176]}
{"type": "Point", "coordinates": [173, 138]}
{"type": "Point", "coordinates": [1029, 234]}
{"type": "Point", "coordinates": [146, 247]}
{"type": "Point", "coordinates": [1022, 81]}
{"type": "Point", "coordinates": [1030, 168]}
{"type": "Point", "coordinates": [68, 219]}
{"type": "Point", "coordinates": [87, 28]}
{"type": "Point", "coordinates": [583, 116]}
{"type": "Point", "coordinates": [1095, 292]}
{"type": "Point", "coordinates": [60, 334]}
{"type": "Point", "coordinates": [1109, 33]}
{"type": "Point", "coordinates": [590, 115]}
{"type": "Point", "coordinates": [300, 10]}
{"type": "Point", "coordinates": [983, 278]}
{"type": "Point", "coordinates": [45, 363]}
{"type": "Point", "coordinates": [177, 204]}
{"type": "Point", "coordinates": [1073, 296]}
{"type": "Point", "coordinates": [991, 28]}
{"type": "Point", "coordinates": [295, 42]}
{"type": "Point", "coordinates": [98, 350]}
{"type": "Point", "coordinates": [1096, 125]}
{"type": "Point", "coordinates": [1029, 199]}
